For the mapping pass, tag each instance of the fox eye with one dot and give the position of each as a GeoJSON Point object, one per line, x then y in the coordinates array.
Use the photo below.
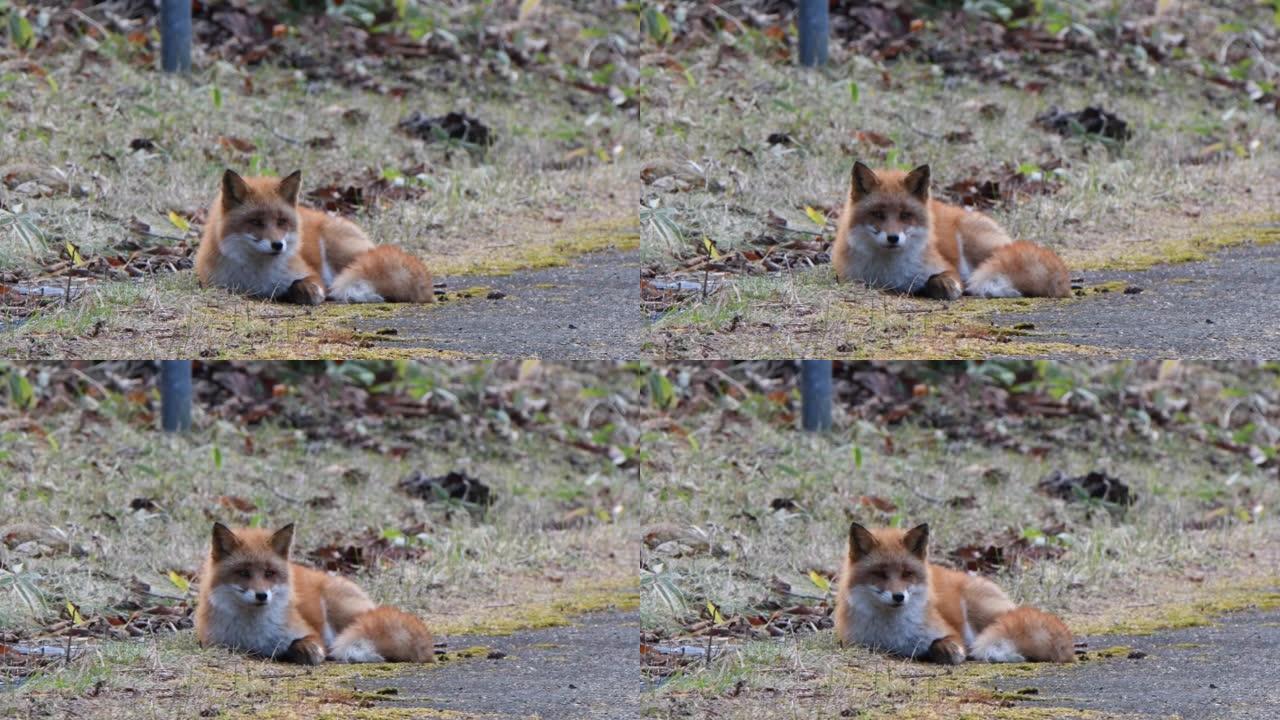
{"type": "Point", "coordinates": [256, 222]}
{"type": "Point", "coordinates": [243, 573]}
{"type": "Point", "coordinates": [269, 574]}
{"type": "Point", "coordinates": [877, 215]}
{"type": "Point", "coordinates": [906, 217]}
{"type": "Point", "coordinates": [283, 222]}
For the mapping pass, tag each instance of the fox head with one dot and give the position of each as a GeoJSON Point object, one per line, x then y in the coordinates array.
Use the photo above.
{"type": "Point", "coordinates": [260, 215]}
{"type": "Point", "coordinates": [250, 566]}
{"type": "Point", "coordinates": [889, 567]}
{"type": "Point", "coordinates": [890, 207]}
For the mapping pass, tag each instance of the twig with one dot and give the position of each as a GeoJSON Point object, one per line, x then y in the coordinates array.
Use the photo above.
{"type": "Point", "coordinates": [911, 127]}
{"type": "Point", "coordinates": [924, 497]}
{"type": "Point", "coordinates": [742, 29]}
{"type": "Point", "coordinates": [277, 493]}
{"type": "Point", "coordinates": [277, 133]}
{"type": "Point", "coordinates": [161, 595]}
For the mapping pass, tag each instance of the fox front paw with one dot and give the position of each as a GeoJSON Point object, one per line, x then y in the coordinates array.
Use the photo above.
{"type": "Point", "coordinates": [946, 651]}
{"type": "Point", "coordinates": [304, 292]}
{"type": "Point", "coordinates": [943, 286]}
{"type": "Point", "coordinates": [305, 651]}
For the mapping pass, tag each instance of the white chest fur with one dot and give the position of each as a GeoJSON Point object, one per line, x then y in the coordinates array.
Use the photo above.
{"type": "Point", "coordinates": [264, 631]}
{"type": "Point", "coordinates": [902, 269]}
{"type": "Point", "coordinates": [244, 270]}
{"type": "Point", "coordinates": [898, 630]}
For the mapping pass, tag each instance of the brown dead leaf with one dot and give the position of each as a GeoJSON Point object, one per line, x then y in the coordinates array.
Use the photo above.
{"type": "Point", "coordinates": [237, 143]}
{"type": "Point", "coordinates": [235, 502]}
{"type": "Point", "coordinates": [870, 137]}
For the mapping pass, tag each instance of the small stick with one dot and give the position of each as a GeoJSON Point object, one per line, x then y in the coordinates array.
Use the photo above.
{"type": "Point", "coordinates": [278, 494]}
{"type": "Point", "coordinates": [911, 127]}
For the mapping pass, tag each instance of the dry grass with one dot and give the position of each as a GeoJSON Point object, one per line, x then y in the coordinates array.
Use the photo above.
{"type": "Point", "coordinates": [522, 564]}
{"type": "Point", "coordinates": [1117, 569]}
{"type": "Point", "coordinates": [565, 162]}
{"type": "Point", "coordinates": [1117, 208]}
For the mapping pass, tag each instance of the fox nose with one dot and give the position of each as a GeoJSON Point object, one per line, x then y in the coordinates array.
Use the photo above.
{"type": "Point", "coordinates": [277, 245]}
{"type": "Point", "coordinates": [892, 239]}
{"type": "Point", "coordinates": [261, 596]}
{"type": "Point", "coordinates": [899, 597]}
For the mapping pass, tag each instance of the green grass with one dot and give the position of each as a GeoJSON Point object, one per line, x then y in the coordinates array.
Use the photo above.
{"type": "Point", "coordinates": [92, 456]}
{"type": "Point", "coordinates": [520, 205]}
{"type": "Point", "coordinates": [1118, 573]}
{"type": "Point", "coordinates": [1126, 208]}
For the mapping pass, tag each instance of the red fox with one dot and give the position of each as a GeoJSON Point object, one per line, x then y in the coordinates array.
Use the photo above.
{"type": "Point", "coordinates": [260, 242]}
{"type": "Point", "coordinates": [254, 600]}
{"type": "Point", "coordinates": [892, 235]}
{"type": "Point", "coordinates": [892, 599]}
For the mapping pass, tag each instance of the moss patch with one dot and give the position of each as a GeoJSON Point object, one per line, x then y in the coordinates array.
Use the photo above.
{"type": "Point", "coordinates": [612, 595]}
{"type": "Point", "coordinates": [1262, 229]}
{"type": "Point", "coordinates": [1259, 595]}
{"type": "Point", "coordinates": [617, 233]}
{"type": "Point", "coordinates": [1107, 653]}
{"type": "Point", "coordinates": [285, 692]}
{"type": "Point", "coordinates": [246, 327]}
{"type": "Point", "coordinates": [475, 291]}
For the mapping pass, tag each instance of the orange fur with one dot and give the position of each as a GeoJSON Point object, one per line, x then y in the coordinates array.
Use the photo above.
{"type": "Point", "coordinates": [393, 634]}
{"type": "Point", "coordinates": [892, 234]}
{"type": "Point", "coordinates": [891, 598]}
{"type": "Point", "coordinates": [259, 241]}
{"type": "Point", "coordinates": [391, 272]}
{"type": "Point", "coordinates": [253, 599]}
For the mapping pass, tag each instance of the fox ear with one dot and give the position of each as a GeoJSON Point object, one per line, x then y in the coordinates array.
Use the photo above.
{"type": "Point", "coordinates": [917, 540]}
{"type": "Point", "coordinates": [234, 189]}
{"type": "Point", "coordinates": [282, 539]}
{"type": "Point", "coordinates": [864, 180]}
{"type": "Point", "coordinates": [225, 541]}
{"type": "Point", "coordinates": [861, 541]}
{"type": "Point", "coordinates": [917, 182]}
{"type": "Point", "coordinates": [289, 187]}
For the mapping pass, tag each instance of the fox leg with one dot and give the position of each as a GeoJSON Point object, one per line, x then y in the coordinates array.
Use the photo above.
{"type": "Point", "coordinates": [943, 286]}
{"type": "Point", "coordinates": [304, 291]}
{"type": "Point", "coordinates": [1025, 635]}
{"type": "Point", "coordinates": [308, 650]}
{"type": "Point", "coordinates": [978, 237]}
{"type": "Point", "coordinates": [947, 650]}
{"type": "Point", "coordinates": [342, 242]}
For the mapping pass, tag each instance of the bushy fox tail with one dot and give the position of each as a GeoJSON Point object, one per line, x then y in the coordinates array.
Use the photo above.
{"type": "Point", "coordinates": [384, 274]}
{"type": "Point", "coordinates": [1020, 269]}
{"type": "Point", "coordinates": [384, 634]}
{"type": "Point", "coordinates": [1024, 635]}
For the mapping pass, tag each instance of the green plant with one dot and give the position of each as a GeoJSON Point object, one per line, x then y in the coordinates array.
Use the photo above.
{"type": "Point", "coordinates": [23, 223]}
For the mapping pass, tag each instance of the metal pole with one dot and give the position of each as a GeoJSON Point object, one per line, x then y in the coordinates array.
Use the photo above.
{"type": "Point", "coordinates": [175, 35]}
{"type": "Point", "coordinates": [815, 394]}
{"type": "Point", "coordinates": [175, 395]}
{"type": "Point", "coordinates": [813, 32]}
